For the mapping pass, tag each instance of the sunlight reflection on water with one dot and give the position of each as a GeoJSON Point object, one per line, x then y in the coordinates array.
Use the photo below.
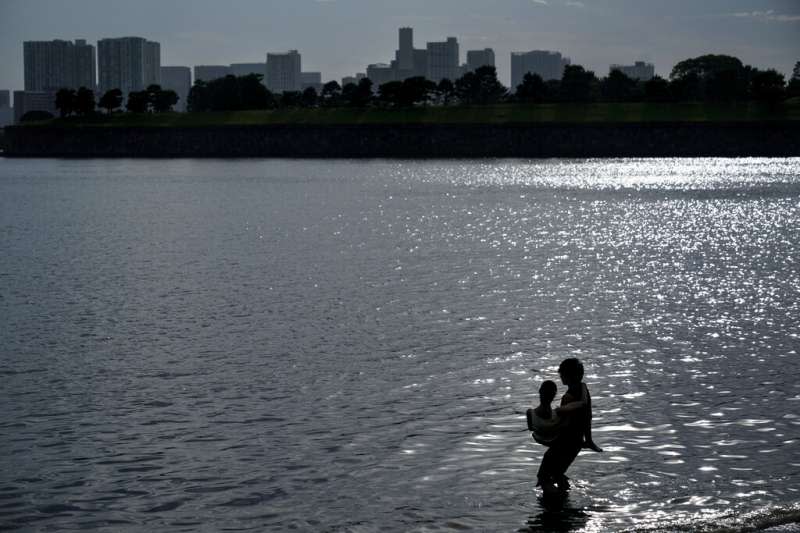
{"type": "Point", "coordinates": [333, 345]}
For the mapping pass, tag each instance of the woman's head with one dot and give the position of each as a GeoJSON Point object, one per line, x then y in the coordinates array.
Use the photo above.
{"type": "Point", "coordinates": [547, 392]}
{"type": "Point", "coordinates": [571, 371]}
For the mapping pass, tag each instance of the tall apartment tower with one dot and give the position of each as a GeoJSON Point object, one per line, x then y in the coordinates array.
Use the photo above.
{"type": "Point", "coordinates": [480, 58]}
{"type": "Point", "coordinates": [443, 60]}
{"type": "Point", "coordinates": [211, 72]}
{"type": "Point", "coordinates": [405, 55]}
{"type": "Point", "coordinates": [548, 65]}
{"type": "Point", "coordinates": [178, 79]}
{"type": "Point", "coordinates": [128, 63]}
{"type": "Point", "coordinates": [283, 72]}
{"type": "Point", "coordinates": [53, 65]}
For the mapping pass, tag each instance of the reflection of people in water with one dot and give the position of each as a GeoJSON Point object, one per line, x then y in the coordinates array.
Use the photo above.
{"type": "Point", "coordinates": [565, 431]}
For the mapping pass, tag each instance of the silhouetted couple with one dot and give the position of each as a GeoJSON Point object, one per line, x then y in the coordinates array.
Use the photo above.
{"type": "Point", "coordinates": [565, 430]}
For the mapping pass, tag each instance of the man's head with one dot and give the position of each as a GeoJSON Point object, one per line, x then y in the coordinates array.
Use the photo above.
{"type": "Point", "coordinates": [571, 371]}
{"type": "Point", "coordinates": [547, 392]}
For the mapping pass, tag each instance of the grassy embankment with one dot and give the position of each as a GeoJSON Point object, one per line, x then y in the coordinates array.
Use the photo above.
{"type": "Point", "coordinates": [497, 114]}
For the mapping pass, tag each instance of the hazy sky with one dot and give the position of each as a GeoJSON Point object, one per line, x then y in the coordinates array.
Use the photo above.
{"type": "Point", "coordinates": [340, 37]}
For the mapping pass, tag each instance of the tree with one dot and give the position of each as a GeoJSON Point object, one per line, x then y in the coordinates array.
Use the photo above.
{"type": "Point", "coordinates": [164, 101]}
{"type": "Point", "coordinates": [331, 94]}
{"type": "Point", "coordinates": [199, 98]}
{"type": "Point", "coordinates": [445, 91]}
{"type": "Point", "coordinates": [65, 101]}
{"type": "Point", "coordinates": [253, 93]}
{"type": "Point", "coordinates": [618, 87]}
{"type": "Point", "coordinates": [711, 77]}
{"type": "Point", "coordinates": [309, 97]}
{"type": "Point", "coordinates": [389, 92]}
{"type": "Point", "coordinates": [362, 96]}
{"type": "Point", "coordinates": [290, 99]}
{"type": "Point", "coordinates": [84, 101]}
{"type": "Point", "coordinates": [111, 100]}
{"type": "Point", "coordinates": [768, 86]}
{"type": "Point", "coordinates": [36, 116]}
{"type": "Point", "coordinates": [137, 102]}
{"type": "Point", "coordinates": [414, 90]}
{"type": "Point", "coordinates": [578, 84]}
{"type": "Point", "coordinates": [480, 87]}
{"type": "Point", "coordinates": [657, 89]}
{"type": "Point", "coordinates": [796, 71]}
{"type": "Point", "coordinates": [532, 89]}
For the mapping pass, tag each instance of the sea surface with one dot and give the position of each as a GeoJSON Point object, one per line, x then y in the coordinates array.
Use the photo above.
{"type": "Point", "coordinates": [268, 345]}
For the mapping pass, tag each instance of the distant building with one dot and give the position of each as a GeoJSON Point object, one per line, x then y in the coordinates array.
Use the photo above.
{"type": "Point", "coordinates": [443, 60]}
{"type": "Point", "coordinates": [380, 73]}
{"type": "Point", "coordinates": [25, 101]}
{"type": "Point", "coordinates": [638, 71]}
{"type": "Point", "coordinates": [53, 65]}
{"type": "Point", "coordinates": [211, 72]}
{"type": "Point", "coordinates": [479, 58]}
{"type": "Point", "coordinates": [178, 79]}
{"type": "Point", "coordinates": [405, 53]}
{"type": "Point", "coordinates": [548, 65]}
{"type": "Point", "coordinates": [128, 63]}
{"type": "Point", "coordinates": [245, 69]}
{"type": "Point", "coordinates": [283, 72]}
{"type": "Point", "coordinates": [311, 79]}
{"type": "Point", "coordinates": [353, 79]}
{"type": "Point", "coordinates": [6, 111]}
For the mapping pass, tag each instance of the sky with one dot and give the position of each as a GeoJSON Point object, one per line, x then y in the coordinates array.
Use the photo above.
{"type": "Point", "coordinates": [340, 37]}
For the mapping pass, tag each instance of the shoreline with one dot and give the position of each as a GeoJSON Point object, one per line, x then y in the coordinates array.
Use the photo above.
{"type": "Point", "coordinates": [423, 141]}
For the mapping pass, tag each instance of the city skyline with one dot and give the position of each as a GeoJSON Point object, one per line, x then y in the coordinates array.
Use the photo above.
{"type": "Point", "coordinates": [595, 34]}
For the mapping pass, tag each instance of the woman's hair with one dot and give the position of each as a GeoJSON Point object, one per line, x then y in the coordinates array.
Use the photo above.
{"type": "Point", "coordinates": [571, 368]}
{"type": "Point", "coordinates": [547, 392]}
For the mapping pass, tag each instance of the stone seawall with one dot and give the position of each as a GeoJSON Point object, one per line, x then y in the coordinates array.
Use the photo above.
{"type": "Point", "coordinates": [658, 139]}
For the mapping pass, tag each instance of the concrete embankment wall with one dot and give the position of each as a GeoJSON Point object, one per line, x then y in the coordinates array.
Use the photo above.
{"type": "Point", "coordinates": [735, 139]}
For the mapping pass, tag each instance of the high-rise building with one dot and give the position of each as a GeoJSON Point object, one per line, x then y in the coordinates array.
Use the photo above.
{"type": "Point", "coordinates": [405, 54]}
{"type": "Point", "coordinates": [548, 65]}
{"type": "Point", "coordinates": [244, 69]}
{"type": "Point", "coordinates": [128, 63]}
{"type": "Point", "coordinates": [25, 101]}
{"type": "Point", "coordinates": [211, 72]}
{"type": "Point", "coordinates": [283, 72]}
{"type": "Point", "coordinates": [311, 79]}
{"type": "Point", "coordinates": [479, 58]}
{"type": "Point", "coordinates": [443, 60]}
{"type": "Point", "coordinates": [5, 99]}
{"type": "Point", "coordinates": [53, 65]}
{"type": "Point", "coordinates": [638, 71]}
{"type": "Point", "coordinates": [178, 79]}
{"type": "Point", "coordinates": [6, 112]}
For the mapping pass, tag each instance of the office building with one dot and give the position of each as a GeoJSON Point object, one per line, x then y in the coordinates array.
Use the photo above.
{"type": "Point", "coordinates": [211, 72]}
{"type": "Point", "coordinates": [178, 79]}
{"type": "Point", "coordinates": [245, 69]}
{"type": "Point", "coordinates": [128, 63]}
{"type": "Point", "coordinates": [311, 79]}
{"type": "Point", "coordinates": [548, 65]}
{"type": "Point", "coordinates": [638, 71]}
{"type": "Point", "coordinates": [25, 101]}
{"type": "Point", "coordinates": [405, 54]}
{"type": "Point", "coordinates": [353, 79]}
{"type": "Point", "coordinates": [53, 65]}
{"type": "Point", "coordinates": [5, 99]}
{"type": "Point", "coordinates": [443, 60]}
{"type": "Point", "coordinates": [6, 111]}
{"type": "Point", "coordinates": [380, 73]}
{"type": "Point", "coordinates": [479, 58]}
{"type": "Point", "coordinates": [283, 72]}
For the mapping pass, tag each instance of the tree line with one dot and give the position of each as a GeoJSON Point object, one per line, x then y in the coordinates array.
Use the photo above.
{"type": "Point", "coordinates": [82, 102]}
{"type": "Point", "coordinates": [708, 78]}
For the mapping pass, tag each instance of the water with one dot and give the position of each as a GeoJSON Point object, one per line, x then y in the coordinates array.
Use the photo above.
{"type": "Point", "coordinates": [350, 346]}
